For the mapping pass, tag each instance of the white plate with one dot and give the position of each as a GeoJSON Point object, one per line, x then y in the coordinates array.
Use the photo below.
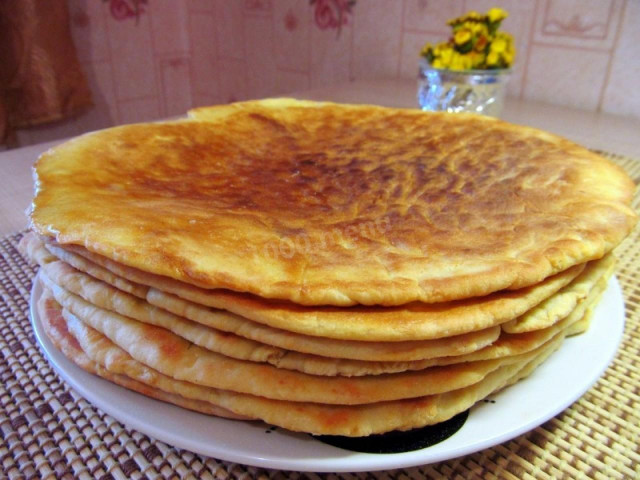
{"type": "Point", "coordinates": [550, 389]}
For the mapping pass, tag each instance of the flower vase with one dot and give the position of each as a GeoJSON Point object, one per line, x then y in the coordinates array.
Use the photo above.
{"type": "Point", "coordinates": [477, 91]}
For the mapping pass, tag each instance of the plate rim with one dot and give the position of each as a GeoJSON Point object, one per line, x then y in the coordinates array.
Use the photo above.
{"type": "Point", "coordinates": [344, 461]}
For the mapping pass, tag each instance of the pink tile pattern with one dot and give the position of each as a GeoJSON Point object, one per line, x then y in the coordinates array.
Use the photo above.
{"type": "Point", "coordinates": [125, 9]}
{"type": "Point", "coordinates": [89, 30]}
{"type": "Point", "coordinates": [259, 66]}
{"type": "Point", "coordinates": [258, 7]}
{"type": "Point", "coordinates": [132, 56]}
{"type": "Point", "coordinates": [582, 24]}
{"type": "Point", "coordinates": [175, 95]}
{"type": "Point", "coordinates": [203, 78]}
{"type": "Point", "coordinates": [151, 59]}
{"type": "Point", "coordinates": [168, 19]}
{"type": "Point", "coordinates": [229, 29]}
{"type": "Point", "coordinates": [554, 78]}
{"type": "Point", "coordinates": [292, 30]}
{"type": "Point", "coordinates": [332, 14]}
{"type": "Point", "coordinates": [622, 88]}
{"type": "Point", "coordinates": [431, 15]}
{"type": "Point", "coordinates": [331, 56]}
{"type": "Point", "coordinates": [377, 39]}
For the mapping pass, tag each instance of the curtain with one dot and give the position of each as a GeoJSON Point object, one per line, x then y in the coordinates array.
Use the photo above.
{"type": "Point", "coordinates": [40, 76]}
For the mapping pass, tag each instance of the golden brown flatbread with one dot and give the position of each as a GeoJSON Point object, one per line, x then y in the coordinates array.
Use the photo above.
{"type": "Point", "coordinates": [109, 298]}
{"type": "Point", "coordinates": [55, 327]}
{"type": "Point", "coordinates": [414, 321]}
{"type": "Point", "coordinates": [176, 357]}
{"type": "Point", "coordinates": [577, 321]}
{"type": "Point", "coordinates": [327, 204]}
{"type": "Point", "coordinates": [358, 420]}
{"type": "Point", "coordinates": [387, 357]}
{"type": "Point", "coordinates": [33, 248]}
{"type": "Point", "coordinates": [589, 306]}
{"type": "Point", "coordinates": [106, 297]}
{"type": "Point", "coordinates": [564, 302]}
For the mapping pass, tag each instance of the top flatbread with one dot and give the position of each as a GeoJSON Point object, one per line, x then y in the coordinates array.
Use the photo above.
{"type": "Point", "coordinates": [322, 203]}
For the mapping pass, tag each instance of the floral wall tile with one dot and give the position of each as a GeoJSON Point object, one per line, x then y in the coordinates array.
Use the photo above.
{"type": "Point", "coordinates": [204, 54]}
{"type": "Point", "coordinates": [139, 110]}
{"type": "Point", "coordinates": [230, 28]}
{"type": "Point", "coordinates": [132, 52]}
{"type": "Point", "coordinates": [175, 90]}
{"type": "Point", "coordinates": [622, 93]}
{"type": "Point", "coordinates": [89, 30]}
{"type": "Point", "coordinates": [331, 51]}
{"type": "Point", "coordinates": [291, 26]}
{"type": "Point", "coordinates": [168, 19]}
{"type": "Point", "coordinates": [260, 69]}
{"type": "Point", "coordinates": [101, 82]}
{"type": "Point", "coordinates": [589, 24]}
{"type": "Point", "coordinates": [553, 76]}
{"type": "Point", "coordinates": [431, 15]}
{"type": "Point", "coordinates": [377, 39]}
{"type": "Point", "coordinates": [147, 59]}
{"type": "Point", "coordinates": [332, 14]}
{"type": "Point", "coordinates": [288, 82]}
{"type": "Point", "coordinates": [200, 5]}
{"type": "Point", "coordinates": [258, 7]}
{"type": "Point", "coordinates": [232, 80]}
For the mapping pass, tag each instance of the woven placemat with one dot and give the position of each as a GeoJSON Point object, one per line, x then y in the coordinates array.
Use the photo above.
{"type": "Point", "coordinates": [48, 431]}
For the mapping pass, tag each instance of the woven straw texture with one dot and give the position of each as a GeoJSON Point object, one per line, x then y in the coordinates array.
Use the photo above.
{"type": "Point", "coordinates": [48, 431]}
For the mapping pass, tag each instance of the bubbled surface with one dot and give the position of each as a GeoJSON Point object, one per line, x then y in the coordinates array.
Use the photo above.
{"type": "Point", "coordinates": [334, 204]}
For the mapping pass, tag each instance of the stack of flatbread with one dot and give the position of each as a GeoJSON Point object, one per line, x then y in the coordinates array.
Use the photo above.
{"type": "Point", "coordinates": [331, 269]}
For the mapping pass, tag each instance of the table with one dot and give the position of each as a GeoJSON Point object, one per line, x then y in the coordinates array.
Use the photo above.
{"type": "Point", "coordinates": [48, 431]}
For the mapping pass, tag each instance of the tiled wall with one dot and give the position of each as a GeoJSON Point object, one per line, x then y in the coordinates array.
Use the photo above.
{"type": "Point", "coordinates": [148, 59]}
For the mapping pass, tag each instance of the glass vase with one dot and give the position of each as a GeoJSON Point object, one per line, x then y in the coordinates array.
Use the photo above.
{"type": "Point", "coordinates": [477, 91]}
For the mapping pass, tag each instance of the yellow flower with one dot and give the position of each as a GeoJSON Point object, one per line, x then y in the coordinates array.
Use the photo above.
{"type": "Point", "coordinates": [496, 14]}
{"type": "Point", "coordinates": [492, 59]}
{"type": "Point", "coordinates": [478, 29]}
{"type": "Point", "coordinates": [446, 54]}
{"type": "Point", "coordinates": [507, 37]}
{"type": "Point", "coordinates": [475, 43]}
{"type": "Point", "coordinates": [477, 59]}
{"type": "Point", "coordinates": [462, 36]}
{"type": "Point", "coordinates": [469, 16]}
{"type": "Point", "coordinates": [472, 15]}
{"type": "Point", "coordinates": [460, 61]}
{"type": "Point", "coordinates": [425, 50]}
{"type": "Point", "coordinates": [499, 45]}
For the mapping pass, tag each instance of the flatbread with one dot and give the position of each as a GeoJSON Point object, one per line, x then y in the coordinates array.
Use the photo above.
{"type": "Point", "coordinates": [509, 344]}
{"type": "Point", "coordinates": [108, 298]}
{"type": "Point", "coordinates": [175, 357]}
{"type": "Point", "coordinates": [55, 327]}
{"type": "Point", "coordinates": [414, 321]}
{"type": "Point", "coordinates": [32, 247]}
{"type": "Point", "coordinates": [590, 305]}
{"type": "Point", "coordinates": [349, 349]}
{"type": "Point", "coordinates": [387, 357]}
{"type": "Point", "coordinates": [327, 204]}
{"type": "Point", "coordinates": [564, 302]}
{"type": "Point", "coordinates": [359, 420]}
